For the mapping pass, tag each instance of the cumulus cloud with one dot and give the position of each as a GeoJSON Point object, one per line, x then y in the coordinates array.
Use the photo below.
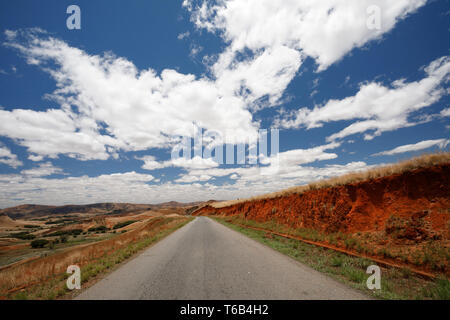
{"type": "Point", "coordinates": [325, 30]}
{"type": "Point", "coordinates": [53, 132]}
{"type": "Point", "coordinates": [445, 112]}
{"type": "Point", "coordinates": [265, 75]}
{"type": "Point", "coordinates": [44, 169]}
{"type": "Point", "coordinates": [8, 158]}
{"type": "Point", "coordinates": [280, 167]}
{"type": "Point", "coordinates": [196, 162]}
{"type": "Point", "coordinates": [141, 188]}
{"type": "Point", "coordinates": [380, 108]}
{"type": "Point", "coordinates": [150, 163]}
{"type": "Point", "coordinates": [108, 105]}
{"type": "Point", "coordinates": [251, 181]}
{"type": "Point", "coordinates": [119, 187]}
{"type": "Point", "coordinates": [34, 157]}
{"type": "Point", "coordinates": [190, 179]}
{"type": "Point", "coordinates": [422, 145]}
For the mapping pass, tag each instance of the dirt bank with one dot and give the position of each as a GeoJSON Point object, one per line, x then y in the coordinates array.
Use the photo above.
{"type": "Point", "coordinates": [421, 197]}
{"type": "Point", "coordinates": [400, 210]}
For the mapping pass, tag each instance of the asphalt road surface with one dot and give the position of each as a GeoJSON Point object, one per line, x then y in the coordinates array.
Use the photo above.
{"type": "Point", "coordinates": [206, 260]}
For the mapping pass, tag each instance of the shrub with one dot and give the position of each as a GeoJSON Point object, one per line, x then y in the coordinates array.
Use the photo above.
{"type": "Point", "coordinates": [23, 236]}
{"type": "Point", "coordinates": [39, 243]}
{"type": "Point", "coordinates": [60, 221]}
{"type": "Point", "coordinates": [98, 229]}
{"type": "Point", "coordinates": [123, 224]}
{"type": "Point", "coordinates": [73, 232]}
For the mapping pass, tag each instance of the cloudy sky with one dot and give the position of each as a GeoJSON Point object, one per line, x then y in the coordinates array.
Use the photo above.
{"type": "Point", "coordinates": [93, 115]}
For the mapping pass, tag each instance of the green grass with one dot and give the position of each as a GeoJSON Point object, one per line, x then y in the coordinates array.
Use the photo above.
{"type": "Point", "coordinates": [56, 287]}
{"type": "Point", "coordinates": [395, 283]}
{"type": "Point", "coordinates": [430, 254]}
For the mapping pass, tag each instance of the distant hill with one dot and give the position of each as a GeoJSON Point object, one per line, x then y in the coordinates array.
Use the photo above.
{"type": "Point", "coordinates": [32, 210]}
{"type": "Point", "coordinates": [173, 204]}
{"type": "Point", "coordinates": [198, 205]}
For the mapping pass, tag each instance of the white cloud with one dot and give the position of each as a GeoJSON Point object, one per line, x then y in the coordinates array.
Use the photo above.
{"type": "Point", "coordinates": [285, 165]}
{"type": "Point", "coordinates": [44, 169]}
{"type": "Point", "coordinates": [325, 30]}
{"type": "Point", "coordinates": [190, 179]}
{"type": "Point", "coordinates": [195, 50]}
{"type": "Point", "coordinates": [134, 110]}
{"type": "Point", "coordinates": [196, 162]}
{"type": "Point", "coordinates": [150, 163]}
{"type": "Point", "coordinates": [422, 145]}
{"type": "Point", "coordinates": [8, 158]}
{"type": "Point", "coordinates": [297, 157]}
{"type": "Point", "coordinates": [193, 163]}
{"type": "Point", "coordinates": [108, 105]}
{"type": "Point", "coordinates": [445, 112]}
{"type": "Point", "coordinates": [139, 188]}
{"type": "Point", "coordinates": [183, 35]}
{"type": "Point", "coordinates": [54, 132]}
{"type": "Point", "coordinates": [119, 187]}
{"type": "Point", "coordinates": [10, 33]}
{"type": "Point", "coordinates": [266, 74]}
{"type": "Point", "coordinates": [34, 157]}
{"type": "Point", "coordinates": [381, 108]}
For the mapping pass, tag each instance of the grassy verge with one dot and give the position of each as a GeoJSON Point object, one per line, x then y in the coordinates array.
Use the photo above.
{"type": "Point", "coordinates": [431, 255]}
{"type": "Point", "coordinates": [56, 287]}
{"type": "Point", "coordinates": [395, 283]}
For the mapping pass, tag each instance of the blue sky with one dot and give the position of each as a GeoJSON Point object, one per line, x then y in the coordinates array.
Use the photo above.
{"type": "Point", "coordinates": [92, 115]}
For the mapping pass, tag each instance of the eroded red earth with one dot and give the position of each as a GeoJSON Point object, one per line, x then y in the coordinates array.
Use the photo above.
{"type": "Point", "coordinates": [402, 209]}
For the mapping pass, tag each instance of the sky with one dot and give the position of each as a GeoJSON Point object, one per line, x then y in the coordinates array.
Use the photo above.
{"type": "Point", "coordinates": [101, 113]}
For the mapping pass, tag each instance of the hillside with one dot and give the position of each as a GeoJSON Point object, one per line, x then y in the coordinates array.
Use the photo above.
{"type": "Point", "coordinates": [406, 212]}
{"type": "Point", "coordinates": [30, 210]}
{"type": "Point", "coordinates": [7, 222]}
{"type": "Point", "coordinates": [363, 206]}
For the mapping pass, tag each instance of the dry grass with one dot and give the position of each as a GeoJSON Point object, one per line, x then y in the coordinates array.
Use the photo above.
{"type": "Point", "coordinates": [41, 269]}
{"type": "Point", "coordinates": [423, 161]}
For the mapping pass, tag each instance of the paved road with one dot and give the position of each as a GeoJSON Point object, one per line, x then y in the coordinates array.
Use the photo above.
{"type": "Point", "coordinates": [206, 260]}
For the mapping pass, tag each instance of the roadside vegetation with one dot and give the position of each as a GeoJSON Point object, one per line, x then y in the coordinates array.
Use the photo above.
{"type": "Point", "coordinates": [46, 277]}
{"type": "Point", "coordinates": [395, 283]}
{"type": "Point", "coordinates": [430, 255]}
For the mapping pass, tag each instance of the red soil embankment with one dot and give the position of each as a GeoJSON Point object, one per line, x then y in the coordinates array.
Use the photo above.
{"type": "Point", "coordinates": [415, 205]}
